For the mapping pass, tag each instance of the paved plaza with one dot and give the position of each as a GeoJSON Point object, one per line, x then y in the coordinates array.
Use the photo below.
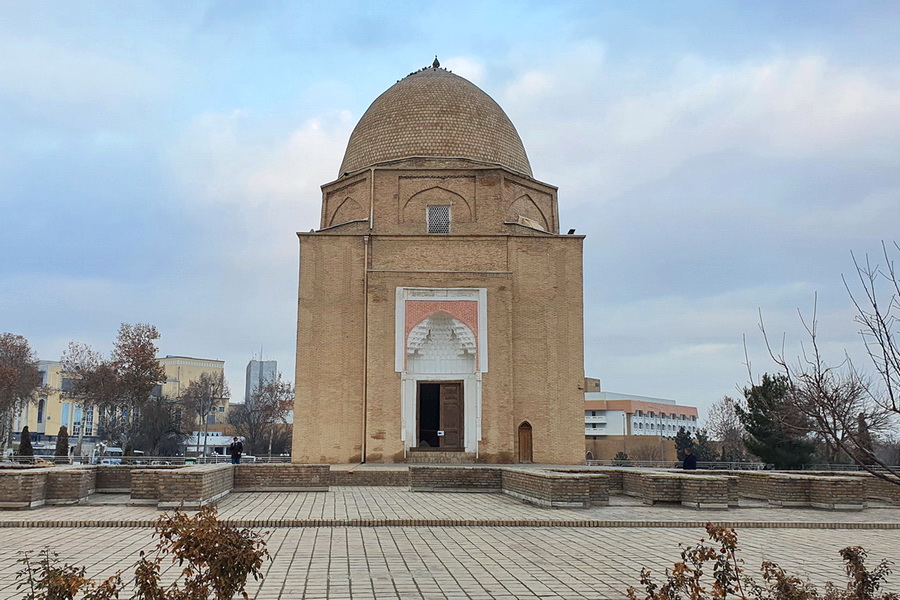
{"type": "Point", "coordinates": [384, 542]}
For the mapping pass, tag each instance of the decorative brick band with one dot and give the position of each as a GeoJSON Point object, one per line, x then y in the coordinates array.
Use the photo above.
{"type": "Point", "coordinates": [325, 523]}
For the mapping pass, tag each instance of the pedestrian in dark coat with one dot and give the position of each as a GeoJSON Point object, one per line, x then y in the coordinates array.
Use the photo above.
{"type": "Point", "coordinates": [690, 461]}
{"type": "Point", "coordinates": [235, 450]}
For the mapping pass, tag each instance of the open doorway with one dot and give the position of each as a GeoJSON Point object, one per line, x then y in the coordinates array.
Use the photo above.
{"type": "Point", "coordinates": [440, 416]}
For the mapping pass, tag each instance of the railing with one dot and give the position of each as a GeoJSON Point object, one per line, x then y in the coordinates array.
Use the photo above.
{"type": "Point", "coordinates": [675, 464]}
{"type": "Point", "coordinates": [139, 460]}
{"type": "Point", "coordinates": [831, 467]}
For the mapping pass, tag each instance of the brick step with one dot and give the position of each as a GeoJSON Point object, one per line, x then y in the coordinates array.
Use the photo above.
{"type": "Point", "coordinates": [432, 457]}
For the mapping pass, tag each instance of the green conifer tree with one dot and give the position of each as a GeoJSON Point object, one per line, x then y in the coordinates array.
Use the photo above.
{"type": "Point", "coordinates": [775, 432]}
{"type": "Point", "coordinates": [683, 441]}
{"type": "Point", "coordinates": [25, 447]}
{"type": "Point", "coordinates": [62, 445]}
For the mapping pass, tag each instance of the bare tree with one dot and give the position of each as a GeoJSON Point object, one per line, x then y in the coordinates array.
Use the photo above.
{"type": "Point", "coordinates": [723, 424]}
{"type": "Point", "coordinates": [91, 382]}
{"type": "Point", "coordinates": [876, 313]}
{"type": "Point", "coordinates": [258, 420]}
{"type": "Point", "coordinates": [834, 401]}
{"type": "Point", "coordinates": [20, 378]}
{"type": "Point", "coordinates": [203, 396]}
{"type": "Point", "coordinates": [647, 451]}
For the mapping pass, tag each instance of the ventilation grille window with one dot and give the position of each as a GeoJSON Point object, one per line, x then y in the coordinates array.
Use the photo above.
{"type": "Point", "coordinates": [439, 219]}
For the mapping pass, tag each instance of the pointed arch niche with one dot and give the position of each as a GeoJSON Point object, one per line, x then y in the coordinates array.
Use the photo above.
{"type": "Point", "coordinates": [413, 210]}
{"type": "Point", "coordinates": [348, 210]}
{"type": "Point", "coordinates": [441, 336]}
{"type": "Point", "coordinates": [524, 206]}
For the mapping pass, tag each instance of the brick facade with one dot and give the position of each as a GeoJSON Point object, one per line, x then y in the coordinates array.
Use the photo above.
{"type": "Point", "coordinates": [503, 239]}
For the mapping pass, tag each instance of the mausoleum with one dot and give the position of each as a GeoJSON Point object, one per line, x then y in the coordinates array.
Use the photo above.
{"type": "Point", "coordinates": [440, 310]}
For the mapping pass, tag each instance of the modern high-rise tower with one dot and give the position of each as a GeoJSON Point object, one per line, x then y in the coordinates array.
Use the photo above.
{"type": "Point", "coordinates": [258, 372]}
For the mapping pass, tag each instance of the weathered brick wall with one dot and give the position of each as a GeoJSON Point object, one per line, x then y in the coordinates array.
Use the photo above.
{"type": "Point", "coordinates": [632, 484]}
{"type": "Point", "coordinates": [598, 482]}
{"type": "Point", "coordinates": [837, 492]}
{"type": "Point", "coordinates": [882, 490]}
{"type": "Point", "coordinates": [660, 487]}
{"type": "Point", "coordinates": [704, 492]}
{"type": "Point", "coordinates": [22, 488]}
{"type": "Point", "coordinates": [616, 479]}
{"type": "Point", "coordinates": [432, 477]}
{"type": "Point", "coordinates": [145, 484]}
{"type": "Point", "coordinates": [788, 489]}
{"type": "Point", "coordinates": [437, 458]}
{"type": "Point", "coordinates": [754, 484]}
{"type": "Point", "coordinates": [331, 327]}
{"type": "Point", "coordinates": [113, 478]}
{"type": "Point", "coordinates": [875, 487]}
{"type": "Point", "coordinates": [69, 485]}
{"type": "Point", "coordinates": [389, 478]}
{"type": "Point", "coordinates": [281, 476]}
{"type": "Point", "coordinates": [194, 486]}
{"type": "Point", "coordinates": [547, 488]}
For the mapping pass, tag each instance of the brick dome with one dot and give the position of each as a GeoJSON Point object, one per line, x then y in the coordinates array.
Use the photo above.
{"type": "Point", "coordinates": [435, 113]}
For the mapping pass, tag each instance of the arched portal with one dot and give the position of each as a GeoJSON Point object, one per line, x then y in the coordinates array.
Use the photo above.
{"type": "Point", "coordinates": [440, 355]}
{"type": "Point", "coordinates": [526, 451]}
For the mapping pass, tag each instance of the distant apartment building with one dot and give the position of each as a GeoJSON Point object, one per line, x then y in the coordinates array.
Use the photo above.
{"type": "Point", "coordinates": [182, 370]}
{"type": "Point", "coordinates": [258, 372]}
{"type": "Point", "coordinates": [611, 419]}
{"type": "Point", "coordinates": [52, 409]}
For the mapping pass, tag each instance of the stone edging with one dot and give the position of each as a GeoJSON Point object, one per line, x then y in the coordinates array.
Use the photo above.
{"type": "Point", "coordinates": [325, 523]}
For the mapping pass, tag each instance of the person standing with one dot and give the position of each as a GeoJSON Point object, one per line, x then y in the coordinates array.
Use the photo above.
{"type": "Point", "coordinates": [235, 450]}
{"type": "Point", "coordinates": [690, 460]}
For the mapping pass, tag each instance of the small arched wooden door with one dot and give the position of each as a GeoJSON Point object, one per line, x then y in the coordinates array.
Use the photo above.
{"type": "Point", "coordinates": [526, 452]}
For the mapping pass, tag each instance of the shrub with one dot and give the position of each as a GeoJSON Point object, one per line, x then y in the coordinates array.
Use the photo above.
{"type": "Point", "coordinates": [61, 453]}
{"type": "Point", "coordinates": [728, 578]}
{"type": "Point", "coordinates": [25, 447]}
{"type": "Point", "coordinates": [215, 561]}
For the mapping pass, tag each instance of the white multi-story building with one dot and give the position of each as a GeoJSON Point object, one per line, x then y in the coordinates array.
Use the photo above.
{"type": "Point", "coordinates": [612, 413]}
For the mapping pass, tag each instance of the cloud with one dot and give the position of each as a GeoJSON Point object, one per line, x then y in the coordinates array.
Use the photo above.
{"type": "Point", "coordinates": [54, 82]}
{"type": "Point", "coordinates": [619, 130]}
{"type": "Point", "coordinates": [467, 67]}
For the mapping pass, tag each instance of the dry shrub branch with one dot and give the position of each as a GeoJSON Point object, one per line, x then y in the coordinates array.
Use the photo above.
{"type": "Point", "coordinates": [714, 572]}
{"type": "Point", "coordinates": [215, 561]}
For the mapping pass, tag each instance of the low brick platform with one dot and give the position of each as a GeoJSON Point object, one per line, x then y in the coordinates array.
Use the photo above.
{"type": "Point", "coordinates": [25, 486]}
{"type": "Point", "coordinates": [436, 457]}
{"type": "Point", "coordinates": [457, 479]}
{"type": "Point", "coordinates": [282, 477]}
{"type": "Point", "coordinates": [554, 488]}
{"type": "Point", "coordinates": [193, 487]}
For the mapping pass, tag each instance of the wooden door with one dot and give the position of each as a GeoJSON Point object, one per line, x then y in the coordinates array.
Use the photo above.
{"type": "Point", "coordinates": [525, 448]}
{"type": "Point", "coordinates": [451, 416]}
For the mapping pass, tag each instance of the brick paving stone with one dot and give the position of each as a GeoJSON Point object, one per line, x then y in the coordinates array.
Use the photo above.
{"type": "Point", "coordinates": [421, 561]}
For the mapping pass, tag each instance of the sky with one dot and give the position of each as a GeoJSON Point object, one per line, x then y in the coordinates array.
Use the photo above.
{"type": "Point", "coordinates": [724, 159]}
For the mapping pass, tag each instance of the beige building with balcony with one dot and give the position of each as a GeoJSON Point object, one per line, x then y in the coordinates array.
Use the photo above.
{"type": "Point", "coordinates": [51, 410]}
{"type": "Point", "coordinates": [182, 370]}
{"type": "Point", "coordinates": [440, 310]}
{"type": "Point", "coordinates": [640, 426]}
